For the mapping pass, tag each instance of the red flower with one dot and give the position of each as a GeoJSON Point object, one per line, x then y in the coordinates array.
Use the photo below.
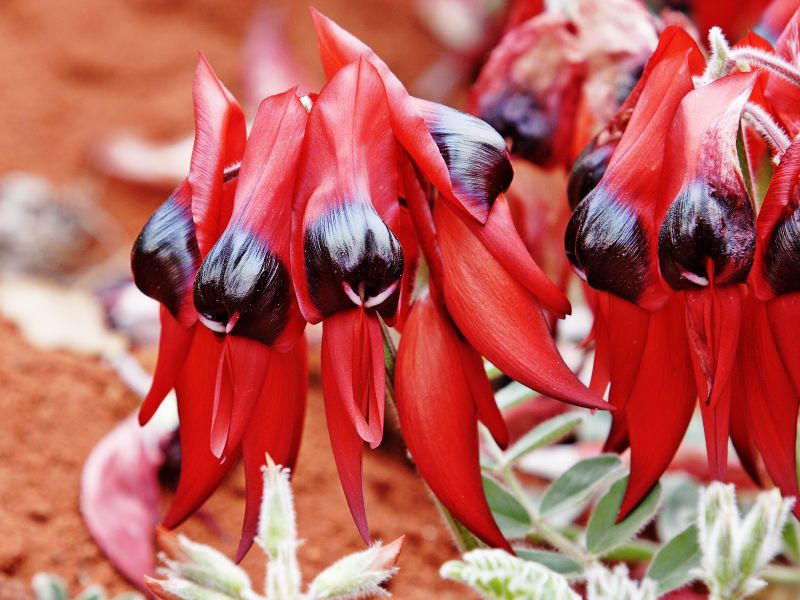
{"type": "Point", "coordinates": [222, 319]}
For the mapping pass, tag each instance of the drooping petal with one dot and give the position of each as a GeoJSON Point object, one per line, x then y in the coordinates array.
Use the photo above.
{"type": "Point", "coordinates": [611, 236]}
{"type": "Point", "coordinates": [501, 239]}
{"type": "Point", "coordinates": [772, 399]}
{"type": "Point", "coordinates": [344, 253]}
{"type": "Point", "coordinates": [783, 313]}
{"type": "Point", "coordinates": [173, 347]}
{"type": "Point", "coordinates": [244, 285]}
{"type": "Point", "coordinates": [628, 327]}
{"type": "Point", "coordinates": [201, 471]}
{"type": "Point", "coordinates": [708, 229]}
{"type": "Point", "coordinates": [741, 432]}
{"type": "Point", "coordinates": [219, 142]}
{"type": "Point", "coordinates": [661, 402]}
{"type": "Point", "coordinates": [483, 395]}
{"type": "Point", "coordinates": [165, 256]}
{"type": "Point", "coordinates": [275, 428]}
{"type": "Point", "coordinates": [438, 417]}
{"type": "Point", "coordinates": [338, 48]}
{"type": "Point", "coordinates": [501, 318]}
{"type": "Point", "coordinates": [346, 443]}
{"type": "Point", "coordinates": [354, 338]}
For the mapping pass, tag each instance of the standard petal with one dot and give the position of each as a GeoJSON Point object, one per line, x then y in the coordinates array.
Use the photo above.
{"type": "Point", "coordinates": [244, 283]}
{"type": "Point", "coordinates": [611, 238]}
{"type": "Point", "coordinates": [219, 142]}
{"type": "Point", "coordinates": [338, 48]}
{"type": "Point", "coordinates": [438, 417]}
{"type": "Point", "coordinates": [275, 428]}
{"type": "Point", "coordinates": [344, 253]}
{"type": "Point", "coordinates": [500, 317]}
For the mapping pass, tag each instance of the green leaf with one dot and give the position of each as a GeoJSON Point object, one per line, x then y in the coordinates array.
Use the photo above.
{"type": "Point", "coordinates": [603, 533]}
{"type": "Point", "coordinates": [49, 587]}
{"type": "Point", "coordinates": [552, 560]}
{"type": "Point", "coordinates": [511, 516]}
{"type": "Point", "coordinates": [465, 540]}
{"type": "Point", "coordinates": [672, 566]}
{"type": "Point", "coordinates": [578, 483]}
{"type": "Point", "coordinates": [512, 394]}
{"type": "Point", "coordinates": [791, 540]}
{"type": "Point", "coordinates": [679, 497]}
{"type": "Point", "coordinates": [93, 592]}
{"type": "Point", "coordinates": [633, 551]}
{"type": "Point", "coordinates": [544, 434]}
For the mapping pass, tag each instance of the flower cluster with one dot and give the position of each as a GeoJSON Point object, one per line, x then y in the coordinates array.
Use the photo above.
{"type": "Point", "coordinates": [330, 211]}
{"type": "Point", "coordinates": [696, 286]}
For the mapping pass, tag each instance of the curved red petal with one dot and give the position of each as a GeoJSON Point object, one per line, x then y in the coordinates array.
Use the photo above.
{"type": "Point", "coordinates": [173, 347]}
{"type": "Point", "coordinates": [201, 471]}
{"type": "Point", "coordinates": [338, 48]}
{"type": "Point", "coordinates": [661, 402]}
{"type": "Point", "coordinates": [438, 417]}
{"type": "Point", "coordinates": [628, 327]}
{"type": "Point", "coordinates": [741, 432]}
{"type": "Point", "coordinates": [500, 317]}
{"type": "Point", "coordinates": [483, 395]}
{"type": "Point", "coordinates": [220, 136]}
{"type": "Point", "coordinates": [346, 443]}
{"type": "Point", "coordinates": [501, 238]}
{"type": "Point", "coordinates": [275, 428]}
{"type": "Point", "coordinates": [769, 357]}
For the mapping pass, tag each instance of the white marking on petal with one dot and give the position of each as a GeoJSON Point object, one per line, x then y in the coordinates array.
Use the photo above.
{"type": "Point", "coordinates": [212, 325]}
{"type": "Point", "coordinates": [351, 294]}
{"type": "Point", "coordinates": [377, 300]}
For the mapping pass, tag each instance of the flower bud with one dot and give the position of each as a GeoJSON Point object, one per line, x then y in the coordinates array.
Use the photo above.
{"type": "Point", "coordinates": [277, 524]}
{"type": "Point", "coordinates": [588, 169]}
{"type": "Point", "coordinates": [358, 575]}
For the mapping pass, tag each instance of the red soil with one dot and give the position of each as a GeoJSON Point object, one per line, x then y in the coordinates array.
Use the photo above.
{"type": "Point", "coordinates": [70, 72]}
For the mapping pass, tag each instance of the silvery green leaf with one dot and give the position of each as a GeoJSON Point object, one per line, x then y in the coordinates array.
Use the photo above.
{"type": "Point", "coordinates": [49, 587]}
{"type": "Point", "coordinates": [277, 526]}
{"type": "Point", "coordinates": [544, 434]}
{"type": "Point", "coordinates": [603, 533]}
{"type": "Point", "coordinates": [674, 565]}
{"type": "Point", "coordinates": [497, 575]}
{"type": "Point", "coordinates": [93, 592]}
{"type": "Point", "coordinates": [578, 483]}
{"type": "Point", "coordinates": [209, 568]}
{"type": "Point", "coordinates": [678, 505]}
{"type": "Point", "coordinates": [358, 575]}
{"type": "Point", "coordinates": [604, 584]}
{"type": "Point", "coordinates": [511, 516]}
{"type": "Point", "coordinates": [554, 561]}
{"type": "Point", "coordinates": [512, 394]}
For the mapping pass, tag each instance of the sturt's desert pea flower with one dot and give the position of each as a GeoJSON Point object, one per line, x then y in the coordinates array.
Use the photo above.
{"type": "Point", "coordinates": [222, 317]}
{"type": "Point", "coordinates": [668, 236]}
{"type": "Point", "coordinates": [325, 216]}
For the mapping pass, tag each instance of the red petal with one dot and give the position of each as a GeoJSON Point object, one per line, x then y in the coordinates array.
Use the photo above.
{"type": "Point", "coordinates": [741, 432]}
{"type": "Point", "coordinates": [201, 472]}
{"type": "Point", "coordinates": [275, 428]}
{"type": "Point", "coordinates": [500, 317]}
{"type": "Point", "coordinates": [338, 48]}
{"type": "Point", "coordinates": [354, 338]}
{"type": "Point", "coordinates": [348, 134]}
{"type": "Point", "coordinates": [612, 235]}
{"type": "Point", "coordinates": [483, 395]}
{"type": "Point", "coordinates": [346, 443]}
{"type": "Point", "coordinates": [173, 346]}
{"type": "Point", "coordinates": [661, 402]}
{"type": "Point", "coordinates": [772, 399]}
{"type": "Point", "coordinates": [628, 327]}
{"type": "Point", "coordinates": [219, 142]}
{"type": "Point", "coordinates": [500, 237]}
{"type": "Point", "coordinates": [437, 414]}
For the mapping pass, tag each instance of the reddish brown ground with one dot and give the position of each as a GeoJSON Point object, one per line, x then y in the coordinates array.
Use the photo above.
{"type": "Point", "coordinates": [70, 71]}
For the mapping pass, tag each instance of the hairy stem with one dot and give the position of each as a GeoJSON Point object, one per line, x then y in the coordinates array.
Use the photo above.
{"type": "Point", "coordinates": [767, 61]}
{"type": "Point", "coordinates": [766, 127]}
